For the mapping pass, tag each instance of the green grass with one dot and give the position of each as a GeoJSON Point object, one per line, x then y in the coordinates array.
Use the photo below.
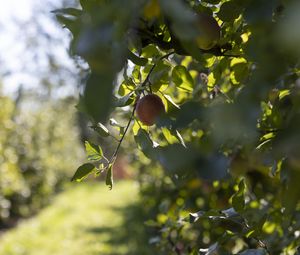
{"type": "Point", "coordinates": [86, 219]}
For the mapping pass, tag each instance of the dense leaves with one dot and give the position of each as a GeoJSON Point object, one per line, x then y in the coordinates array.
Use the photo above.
{"type": "Point", "coordinates": [219, 171]}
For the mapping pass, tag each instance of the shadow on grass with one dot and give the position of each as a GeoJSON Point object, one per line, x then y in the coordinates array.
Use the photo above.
{"type": "Point", "coordinates": [133, 233]}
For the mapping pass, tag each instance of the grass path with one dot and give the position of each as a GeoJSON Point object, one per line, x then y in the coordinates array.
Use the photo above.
{"type": "Point", "coordinates": [87, 219]}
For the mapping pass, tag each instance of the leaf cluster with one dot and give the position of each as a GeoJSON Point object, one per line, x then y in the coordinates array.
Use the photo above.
{"type": "Point", "coordinates": [227, 147]}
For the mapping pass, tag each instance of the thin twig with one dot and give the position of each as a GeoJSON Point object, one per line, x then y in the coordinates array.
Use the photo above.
{"type": "Point", "coordinates": [124, 134]}
{"type": "Point", "coordinates": [106, 159]}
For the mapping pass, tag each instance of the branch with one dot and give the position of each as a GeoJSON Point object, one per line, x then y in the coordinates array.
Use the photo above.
{"type": "Point", "coordinates": [124, 134]}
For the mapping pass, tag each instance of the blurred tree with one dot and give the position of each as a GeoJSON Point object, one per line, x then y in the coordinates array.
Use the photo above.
{"type": "Point", "coordinates": [36, 154]}
{"type": "Point", "coordinates": [39, 144]}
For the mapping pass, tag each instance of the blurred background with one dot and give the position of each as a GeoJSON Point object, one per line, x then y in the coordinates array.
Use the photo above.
{"type": "Point", "coordinates": [41, 145]}
{"type": "Point", "coordinates": [39, 139]}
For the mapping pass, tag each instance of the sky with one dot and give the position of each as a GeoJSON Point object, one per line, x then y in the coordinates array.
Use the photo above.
{"type": "Point", "coordinates": [29, 35]}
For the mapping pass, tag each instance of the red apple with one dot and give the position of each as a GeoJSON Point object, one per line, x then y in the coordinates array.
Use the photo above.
{"type": "Point", "coordinates": [149, 108]}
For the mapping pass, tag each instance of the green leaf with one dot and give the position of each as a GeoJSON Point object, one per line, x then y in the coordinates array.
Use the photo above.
{"type": "Point", "coordinates": [126, 87]}
{"type": "Point", "coordinates": [89, 5]}
{"type": "Point", "coordinates": [159, 75]}
{"type": "Point", "coordinates": [98, 95]}
{"type": "Point", "coordinates": [68, 11]}
{"type": "Point", "coordinates": [171, 101]}
{"type": "Point", "coordinates": [68, 22]}
{"type": "Point", "coordinates": [195, 216]}
{"type": "Point", "coordinates": [177, 159]}
{"type": "Point", "coordinates": [204, 9]}
{"type": "Point", "coordinates": [94, 152]}
{"type": "Point", "coordinates": [136, 73]}
{"type": "Point", "coordinates": [136, 59]}
{"type": "Point", "coordinates": [187, 113]}
{"type": "Point", "coordinates": [101, 130]}
{"type": "Point", "coordinates": [123, 101]}
{"type": "Point", "coordinates": [114, 123]}
{"type": "Point", "coordinates": [181, 17]}
{"type": "Point", "coordinates": [284, 93]}
{"type": "Point", "coordinates": [83, 171]}
{"type": "Point", "coordinates": [168, 135]}
{"type": "Point", "coordinates": [259, 225]}
{"type": "Point", "coordinates": [180, 139]}
{"type": "Point", "coordinates": [145, 143]}
{"type": "Point", "coordinates": [238, 200]}
{"type": "Point", "coordinates": [109, 176]}
{"type": "Point", "coordinates": [229, 11]}
{"type": "Point", "coordinates": [150, 51]}
{"type": "Point", "coordinates": [182, 78]}
{"type": "Point", "coordinates": [211, 250]}
{"type": "Point", "coordinates": [117, 125]}
{"type": "Point", "coordinates": [239, 73]}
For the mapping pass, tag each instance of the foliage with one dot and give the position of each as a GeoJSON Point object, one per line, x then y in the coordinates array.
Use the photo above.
{"type": "Point", "coordinates": [36, 156]}
{"type": "Point", "coordinates": [220, 171]}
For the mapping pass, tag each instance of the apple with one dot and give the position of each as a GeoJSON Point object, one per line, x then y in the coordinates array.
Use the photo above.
{"type": "Point", "coordinates": [209, 31]}
{"type": "Point", "coordinates": [149, 108]}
